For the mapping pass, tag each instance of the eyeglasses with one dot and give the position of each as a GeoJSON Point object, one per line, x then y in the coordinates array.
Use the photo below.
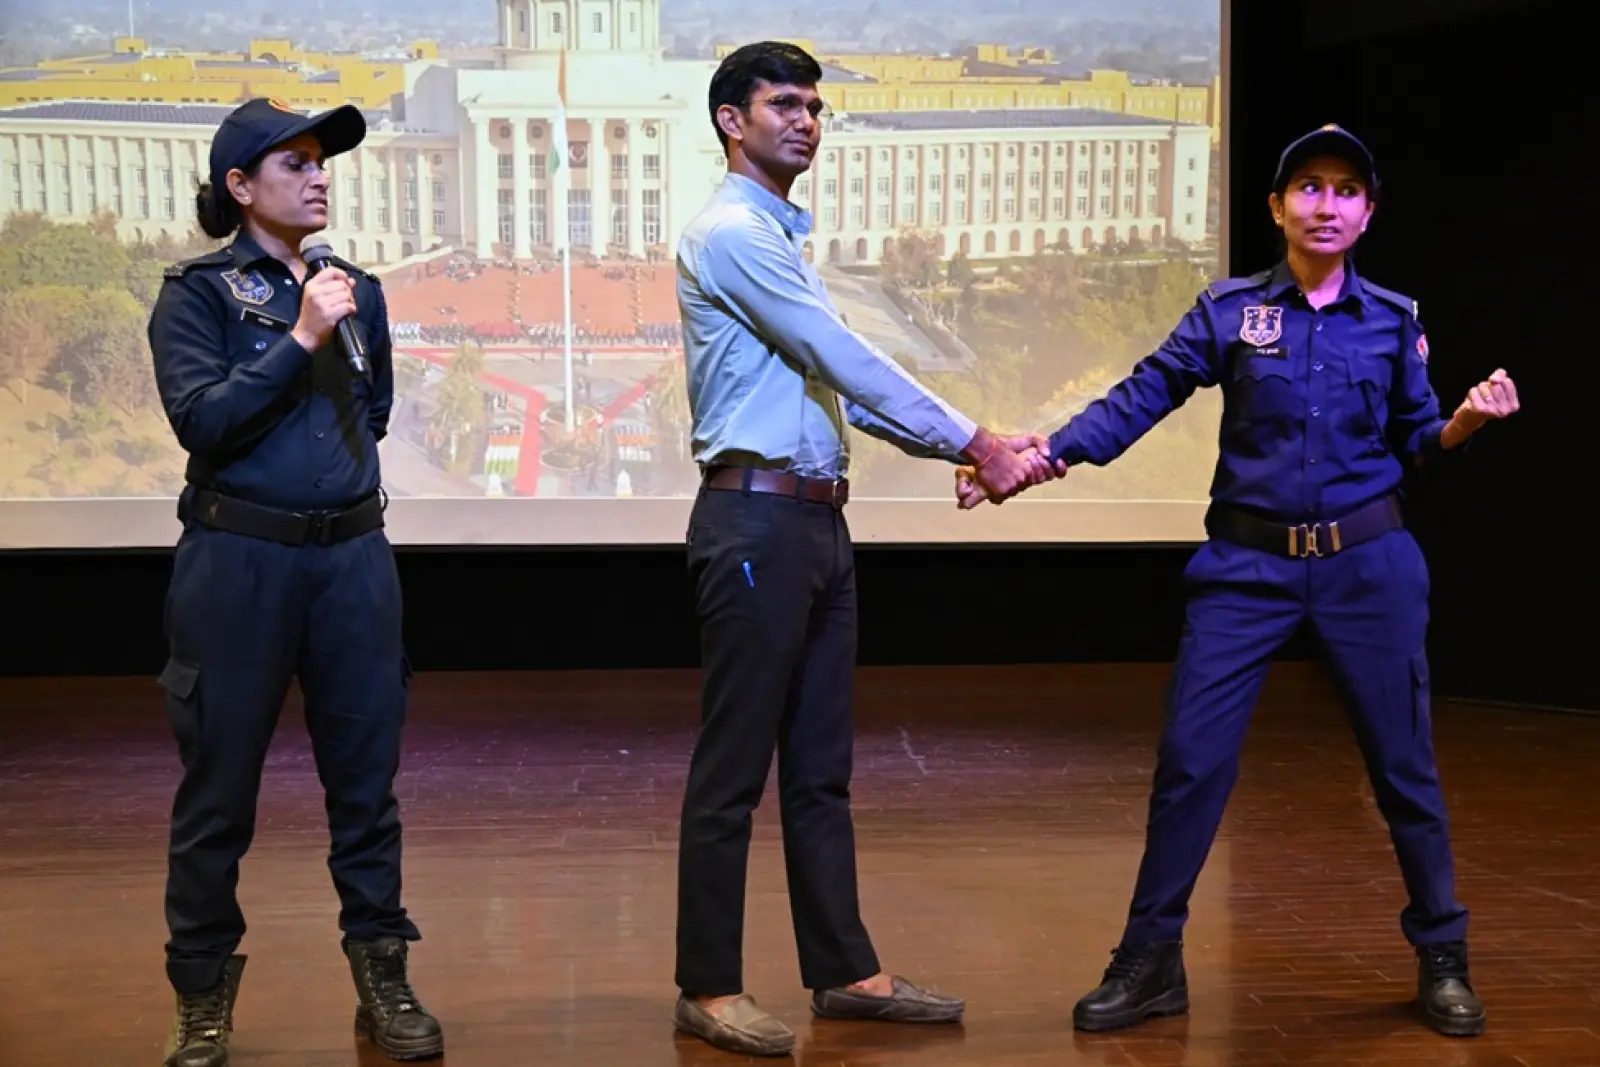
{"type": "Point", "coordinates": [790, 107]}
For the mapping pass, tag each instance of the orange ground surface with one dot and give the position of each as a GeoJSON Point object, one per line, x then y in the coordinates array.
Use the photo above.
{"type": "Point", "coordinates": [609, 299]}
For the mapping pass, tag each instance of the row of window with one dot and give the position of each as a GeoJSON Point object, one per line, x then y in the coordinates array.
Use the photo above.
{"type": "Point", "coordinates": [597, 22]}
{"type": "Point", "coordinates": [935, 183]}
{"type": "Point", "coordinates": [579, 221]}
{"type": "Point", "coordinates": [986, 152]}
{"type": "Point", "coordinates": [538, 166]}
{"type": "Point", "coordinates": [933, 213]}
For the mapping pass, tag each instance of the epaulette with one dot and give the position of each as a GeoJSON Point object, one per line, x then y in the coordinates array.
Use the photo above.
{"type": "Point", "coordinates": [1223, 286]}
{"type": "Point", "coordinates": [215, 258]}
{"type": "Point", "coordinates": [351, 269]}
{"type": "Point", "coordinates": [1398, 301]}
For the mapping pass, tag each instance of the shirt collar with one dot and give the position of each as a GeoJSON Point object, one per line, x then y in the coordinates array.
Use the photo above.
{"type": "Point", "coordinates": [1350, 289]}
{"type": "Point", "coordinates": [246, 251]}
{"type": "Point", "coordinates": [795, 220]}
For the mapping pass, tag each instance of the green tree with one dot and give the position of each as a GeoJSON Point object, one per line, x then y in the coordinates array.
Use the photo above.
{"type": "Point", "coordinates": [669, 401]}
{"type": "Point", "coordinates": [459, 404]}
{"type": "Point", "coordinates": [108, 352]}
{"type": "Point", "coordinates": [23, 227]}
{"type": "Point", "coordinates": [35, 324]}
{"type": "Point", "coordinates": [143, 280]}
{"type": "Point", "coordinates": [960, 271]}
{"type": "Point", "coordinates": [63, 255]}
{"type": "Point", "coordinates": [912, 261]}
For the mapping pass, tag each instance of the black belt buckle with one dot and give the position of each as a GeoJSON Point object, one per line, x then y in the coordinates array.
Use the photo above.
{"type": "Point", "coordinates": [1306, 540]}
{"type": "Point", "coordinates": [319, 527]}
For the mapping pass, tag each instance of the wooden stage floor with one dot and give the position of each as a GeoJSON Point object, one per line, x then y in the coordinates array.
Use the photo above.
{"type": "Point", "coordinates": [999, 816]}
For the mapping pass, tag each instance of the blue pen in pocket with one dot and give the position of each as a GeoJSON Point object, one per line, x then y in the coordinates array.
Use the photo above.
{"type": "Point", "coordinates": [748, 577]}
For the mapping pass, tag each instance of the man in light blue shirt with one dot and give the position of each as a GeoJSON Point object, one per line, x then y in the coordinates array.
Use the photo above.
{"type": "Point", "coordinates": [774, 376]}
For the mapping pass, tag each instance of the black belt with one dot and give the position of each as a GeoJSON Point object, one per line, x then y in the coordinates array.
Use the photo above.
{"type": "Point", "coordinates": [832, 491]}
{"type": "Point", "coordinates": [217, 512]}
{"type": "Point", "coordinates": [1300, 540]}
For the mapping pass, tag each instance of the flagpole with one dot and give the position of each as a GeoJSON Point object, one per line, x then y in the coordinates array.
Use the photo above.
{"type": "Point", "coordinates": [566, 319]}
{"type": "Point", "coordinates": [563, 221]}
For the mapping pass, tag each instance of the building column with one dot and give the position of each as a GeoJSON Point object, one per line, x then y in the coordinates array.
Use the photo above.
{"type": "Point", "coordinates": [599, 188]}
{"type": "Point", "coordinates": [152, 182]}
{"type": "Point", "coordinates": [424, 202]}
{"type": "Point", "coordinates": [485, 189]}
{"type": "Point", "coordinates": [397, 203]}
{"type": "Point", "coordinates": [521, 222]}
{"type": "Point", "coordinates": [97, 202]}
{"type": "Point", "coordinates": [330, 167]}
{"type": "Point", "coordinates": [125, 181]}
{"type": "Point", "coordinates": [366, 166]}
{"type": "Point", "coordinates": [635, 193]}
{"type": "Point", "coordinates": [530, 17]}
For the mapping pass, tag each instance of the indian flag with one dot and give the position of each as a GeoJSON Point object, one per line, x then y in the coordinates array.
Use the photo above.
{"type": "Point", "coordinates": [559, 172]}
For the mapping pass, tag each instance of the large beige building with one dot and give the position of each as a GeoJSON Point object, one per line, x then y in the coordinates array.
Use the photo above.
{"type": "Point", "coordinates": [460, 158]}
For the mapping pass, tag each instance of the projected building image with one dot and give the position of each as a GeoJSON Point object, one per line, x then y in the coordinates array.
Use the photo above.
{"type": "Point", "coordinates": [1014, 231]}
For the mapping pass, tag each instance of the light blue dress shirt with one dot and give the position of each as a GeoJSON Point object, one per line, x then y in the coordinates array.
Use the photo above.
{"type": "Point", "coordinates": [774, 374]}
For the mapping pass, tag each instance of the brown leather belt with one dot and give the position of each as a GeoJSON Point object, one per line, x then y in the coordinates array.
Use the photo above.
{"type": "Point", "coordinates": [834, 492]}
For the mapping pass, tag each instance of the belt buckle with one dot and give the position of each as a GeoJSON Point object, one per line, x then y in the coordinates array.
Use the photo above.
{"type": "Point", "coordinates": [318, 527]}
{"type": "Point", "coordinates": [1305, 540]}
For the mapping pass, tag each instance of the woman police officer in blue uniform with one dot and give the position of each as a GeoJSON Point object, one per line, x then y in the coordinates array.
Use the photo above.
{"type": "Point", "coordinates": [282, 571]}
{"type": "Point", "coordinates": [1326, 401]}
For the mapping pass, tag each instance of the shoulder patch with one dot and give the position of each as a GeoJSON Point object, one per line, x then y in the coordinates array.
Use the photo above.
{"type": "Point", "coordinates": [1224, 286]}
{"type": "Point", "coordinates": [1399, 301]}
{"type": "Point", "coordinates": [217, 258]}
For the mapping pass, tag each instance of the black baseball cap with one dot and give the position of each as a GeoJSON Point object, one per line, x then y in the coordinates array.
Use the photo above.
{"type": "Point", "coordinates": [1329, 140]}
{"type": "Point", "coordinates": [256, 126]}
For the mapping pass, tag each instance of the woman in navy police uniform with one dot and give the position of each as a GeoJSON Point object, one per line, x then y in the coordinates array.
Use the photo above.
{"type": "Point", "coordinates": [282, 571]}
{"type": "Point", "coordinates": [1326, 403]}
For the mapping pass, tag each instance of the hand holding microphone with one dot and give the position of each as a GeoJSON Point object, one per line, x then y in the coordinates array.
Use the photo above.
{"type": "Point", "coordinates": [328, 305]}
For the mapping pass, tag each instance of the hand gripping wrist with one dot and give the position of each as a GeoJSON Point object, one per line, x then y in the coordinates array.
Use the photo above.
{"type": "Point", "coordinates": [981, 449]}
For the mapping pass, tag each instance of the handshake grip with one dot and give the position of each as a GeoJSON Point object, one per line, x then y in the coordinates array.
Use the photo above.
{"type": "Point", "coordinates": [1001, 466]}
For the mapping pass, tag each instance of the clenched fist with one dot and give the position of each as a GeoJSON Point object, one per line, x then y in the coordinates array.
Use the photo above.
{"type": "Point", "coordinates": [329, 298]}
{"type": "Point", "coordinates": [1495, 398]}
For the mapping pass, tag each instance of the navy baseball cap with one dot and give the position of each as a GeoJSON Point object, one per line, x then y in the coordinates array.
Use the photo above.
{"type": "Point", "coordinates": [261, 124]}
{"type": "Point", "coordinates": [1329, 140]}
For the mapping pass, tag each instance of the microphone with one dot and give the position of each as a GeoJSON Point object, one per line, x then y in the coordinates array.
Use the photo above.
{"type": "Point", "coordinates": [317, 251]}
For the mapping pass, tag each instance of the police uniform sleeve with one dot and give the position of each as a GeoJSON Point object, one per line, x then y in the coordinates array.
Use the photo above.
{"type": "Point", "coordinates": [213, 402]}
{"type": "Point", "coordinates": [1415, 418]}
{"type": "Point", "coordinates": [1159, 384]}
{"type": "Point", "coordinates": [381, 354]}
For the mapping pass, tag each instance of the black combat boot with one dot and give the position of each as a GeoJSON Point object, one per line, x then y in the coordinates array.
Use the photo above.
{"type": "Point", "coordinates": [203, 1022]}
{"type": "Point", "coordinates": [1142, 981]}
{"type": "Point", "coordinates": [1446, 992]}
{"type": "Point", "coordinates": [389, 1014]}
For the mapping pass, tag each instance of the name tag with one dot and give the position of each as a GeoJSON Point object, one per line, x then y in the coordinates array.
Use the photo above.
{"type": "Point", "coordinates": [1270, 351]}
{"type": "Point", "coordinates": [261, 318]}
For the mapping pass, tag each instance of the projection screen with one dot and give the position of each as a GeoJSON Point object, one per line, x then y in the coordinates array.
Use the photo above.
{"type": "Point", "coordinates": [1016, 222]}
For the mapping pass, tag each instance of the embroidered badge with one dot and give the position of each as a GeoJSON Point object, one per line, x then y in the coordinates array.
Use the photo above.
{"type": "Point", "coordinates": [1422, 348]}
{"type": "Point", "coordinates": [1262, 325]}
{"type": "Point", "coordinates": [250, 287]}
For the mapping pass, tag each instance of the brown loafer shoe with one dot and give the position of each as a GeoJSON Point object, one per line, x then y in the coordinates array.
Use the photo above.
{"type": "Point", "coordinates": [907, 1004]}
{"type": "Point", "coordinates": [741, 1027]}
